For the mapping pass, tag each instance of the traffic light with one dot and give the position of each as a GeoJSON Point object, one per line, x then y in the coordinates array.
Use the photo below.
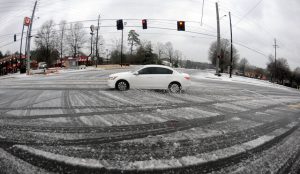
{"type": "Point", "coordinates": [15, 38]}
{"type": "Point", "coordinates": [120, 25]}
{"type": "Point", "coordinates": [144, 22]}
{"type": "Point", "coordinates": [181, 25]}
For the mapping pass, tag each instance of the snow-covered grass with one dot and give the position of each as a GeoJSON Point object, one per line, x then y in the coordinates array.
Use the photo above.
{"type": "Point", "coordinates": [210, 74]}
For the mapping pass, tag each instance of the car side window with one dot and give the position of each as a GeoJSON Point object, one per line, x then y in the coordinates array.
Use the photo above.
{"type": "Point", "coordinates": [145, 71]}
{"type": "Point", "coordinates": [155, 70]}
{"type": "Point", "coordinates": [163, 71]}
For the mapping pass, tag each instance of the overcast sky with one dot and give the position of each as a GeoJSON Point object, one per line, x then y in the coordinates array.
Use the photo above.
{"type": "Point", "coordinates": [255, 23]}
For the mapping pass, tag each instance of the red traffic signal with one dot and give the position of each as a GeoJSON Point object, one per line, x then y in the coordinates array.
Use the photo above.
{"type": "Point", "coordinates": [120, 25]}
{"type": "Point", "coordinates": [27, 21]}
{"type": "Point", "coordinates": [144, 23]}
{"type": "Point", "coordinates": [181, 25]}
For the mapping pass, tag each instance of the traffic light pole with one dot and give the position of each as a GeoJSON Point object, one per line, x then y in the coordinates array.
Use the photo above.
{"type": "Point", "coordinates": [29, 38]}
{"type": "Point", "coordinates": [231, 47]}
{"type": "Point", "coordinates": [97, 40]}
{"type": "Point", "coordinates": [218, 42]}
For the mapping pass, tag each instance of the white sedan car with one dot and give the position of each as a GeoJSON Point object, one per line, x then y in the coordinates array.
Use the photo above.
{"type": "Point", "coordinates": [150, 77]}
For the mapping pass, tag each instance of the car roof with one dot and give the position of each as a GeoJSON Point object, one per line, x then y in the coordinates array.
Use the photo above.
{"type": "Point", "coordinates": [160, 66]}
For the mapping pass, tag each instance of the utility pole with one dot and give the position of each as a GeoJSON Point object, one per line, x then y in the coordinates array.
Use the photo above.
{"type": "Point", "coordinates": [92, 35]}
{"type": "Point", "coordinates": [92, 56]}
{"type": "Point", "coordinates": [61, 44]}
{"type": "Point", "coordinates": [97, 40]}
{"type": "Point", "coordinates": [218, 42]}
{"type": "Point", "coordinates": [275, 46]}
{"type": "Point", "coordinates": [26, 43]}
{"type": "Point", "coordinates": [21, 63]}
{"type": "Point", "coordinates": [29, 38]}
{"type": "Point", "coordinates": [231, 47]}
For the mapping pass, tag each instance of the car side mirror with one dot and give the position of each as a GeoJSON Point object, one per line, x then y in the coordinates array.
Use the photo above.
{"type": "Point", "coordinates": [136, 73]}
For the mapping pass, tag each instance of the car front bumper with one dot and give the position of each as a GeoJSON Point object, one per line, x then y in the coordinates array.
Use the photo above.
{"type": "Point", "coordinates": [111, 83]}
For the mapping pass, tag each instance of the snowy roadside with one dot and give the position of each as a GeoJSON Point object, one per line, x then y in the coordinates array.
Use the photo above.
{"type": "Point", "coordinates": [79, 70]}
{"type": "Point", "coordinates": [12, 76]}
{"type": "Point", "coordinates": [210, 75]}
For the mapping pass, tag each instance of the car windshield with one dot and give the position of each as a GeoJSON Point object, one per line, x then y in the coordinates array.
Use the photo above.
{"type": "Point", "coordinates": [149, 87]}
{"type": "Point", "coordinates": [136, 68]}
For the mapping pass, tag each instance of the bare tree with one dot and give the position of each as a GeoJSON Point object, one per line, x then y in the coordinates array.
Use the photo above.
{"type": "Point", "coordinates": [61, 39]}
{"type": "Point", "coordinates": [76, 38]}
{"type": "Point", "coordinates": [297, 76]}
{"type": "Point", "coordinates": [177, 57]}
{"type": "Point", "coordinates": [116, 51]}
{"type": "Point", "coordinates": [243, 65]}
{"type": "Point", "coordinates": [169, 52]}
{"type": "Point", "coordinates": [281, 71]}
{"type": "Point", "coordinates": [101, 47]}
{"type": "Point", "coordinates": [160, 51]}
{"type": "Point", "coordinates": [225, 54]}
{"type": "Point", "coordinates": [45, 42]}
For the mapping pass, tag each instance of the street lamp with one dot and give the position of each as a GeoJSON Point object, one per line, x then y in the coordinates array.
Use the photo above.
{"type": "Point", "coordinates": [223, 17]}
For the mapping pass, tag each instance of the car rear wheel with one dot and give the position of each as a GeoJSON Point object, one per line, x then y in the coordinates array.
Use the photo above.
{"type": "Point", "coordinates": [174, 87]}
{"type": "Point", "coordinates": [122, 85]}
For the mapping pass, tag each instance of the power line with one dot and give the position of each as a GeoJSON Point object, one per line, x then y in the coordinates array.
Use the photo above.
{"type": "Point", "coordinates": [253, 8]}
{"type": "Point", "coordinates": [161, 28]}
{"type": "Point", "coordinates": [252, 49]}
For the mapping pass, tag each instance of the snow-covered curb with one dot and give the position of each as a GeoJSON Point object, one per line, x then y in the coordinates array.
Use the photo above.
{"type": "Point", "coordinates": [157, 164]}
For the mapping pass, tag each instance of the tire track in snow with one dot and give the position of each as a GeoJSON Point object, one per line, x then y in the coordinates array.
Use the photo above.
{"type": "Point", "coordinates": [143, 131]}
{"type": "Point", "coordinates": [206, 167]}
{"type": "Point", "coordinates": [292, 165]}
{"type": "Point", "coordinates": [127, 151]}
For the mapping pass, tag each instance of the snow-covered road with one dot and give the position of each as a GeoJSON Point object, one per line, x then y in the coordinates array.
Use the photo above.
{"type": "Point", "coordinates": [70, 122]}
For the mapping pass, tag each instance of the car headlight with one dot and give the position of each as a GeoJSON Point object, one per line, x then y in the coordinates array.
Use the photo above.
{"type": "Point", "coordinates": [112, 78]}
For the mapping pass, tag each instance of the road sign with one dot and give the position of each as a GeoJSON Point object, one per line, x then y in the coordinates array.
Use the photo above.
{"type": "Point", "coordinates": [27, 21]}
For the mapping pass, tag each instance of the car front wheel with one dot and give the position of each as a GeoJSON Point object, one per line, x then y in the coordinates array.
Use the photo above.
{"type": "Point", "coordinates": [122, 85]}
{"type": "Point", "coordinates": [174, 87]}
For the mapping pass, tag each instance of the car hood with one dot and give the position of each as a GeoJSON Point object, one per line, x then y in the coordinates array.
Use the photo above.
{"type": "Point", "coordinates": [121, 74]}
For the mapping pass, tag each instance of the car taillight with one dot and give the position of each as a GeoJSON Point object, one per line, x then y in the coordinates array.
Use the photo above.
{"type": "Point", "coordinates": [187, 78]}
